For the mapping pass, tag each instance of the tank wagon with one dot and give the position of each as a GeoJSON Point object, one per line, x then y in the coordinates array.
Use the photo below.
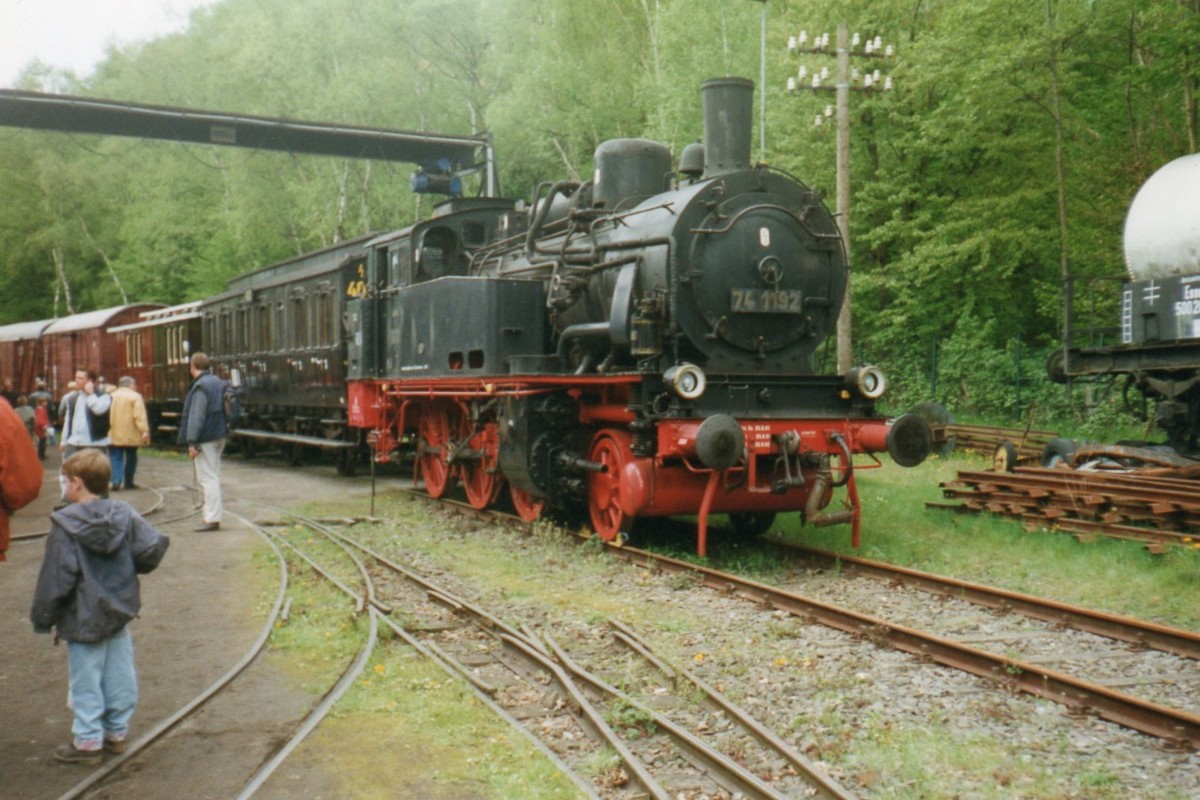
{"type": "Point", "coordinates": [1158, 354]}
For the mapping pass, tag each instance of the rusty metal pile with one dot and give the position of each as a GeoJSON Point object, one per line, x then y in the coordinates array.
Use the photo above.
{"type": "Point", "coordinates": [985, 439]}
{"type": "Point", "coordinates": [1159, 506]}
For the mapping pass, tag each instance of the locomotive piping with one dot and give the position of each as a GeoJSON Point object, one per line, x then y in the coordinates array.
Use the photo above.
{"type": "Point", "coordinates": [544, 209]}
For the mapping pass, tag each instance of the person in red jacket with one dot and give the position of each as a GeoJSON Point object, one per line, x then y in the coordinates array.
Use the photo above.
{"type": "Point", "coordinates": [20, 469]}
{"type": "Point", "coordinates": [41, 425]}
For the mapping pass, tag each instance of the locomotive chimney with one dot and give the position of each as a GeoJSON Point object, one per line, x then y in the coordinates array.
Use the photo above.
{"type": "Point", "coordinates": [728, 115]}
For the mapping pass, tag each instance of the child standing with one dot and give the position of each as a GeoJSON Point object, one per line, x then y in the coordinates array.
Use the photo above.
{"type": "Point", "coordinates": [88, 590]}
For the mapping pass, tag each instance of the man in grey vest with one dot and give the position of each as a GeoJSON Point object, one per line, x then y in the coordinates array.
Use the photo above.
{"type": "Point", "coordinates": [203, 431]}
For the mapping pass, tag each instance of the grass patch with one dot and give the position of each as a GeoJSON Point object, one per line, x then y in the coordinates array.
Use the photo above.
{"type": "Point", "coordinates": [915, 763]}
{"type": "Point", "coordinates": [321, 634]}
{"type": "Point", "coordinates": [440, 740]}
{"type": "Point", "coordinates": [502, 564]}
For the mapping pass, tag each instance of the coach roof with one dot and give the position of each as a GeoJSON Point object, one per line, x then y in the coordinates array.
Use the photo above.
{"type": "Point", "coordinates": [89, 319]}
{"type": "Point", "coordinates": [21, 331]}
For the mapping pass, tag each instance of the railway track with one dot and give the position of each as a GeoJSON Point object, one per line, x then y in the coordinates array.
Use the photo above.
{"type": "Point", "coordinates": [604, 684]}
{"type": "Point", "coordinates": [525, 676]}
{"type": "Point", "coordinates": [1134, 632]}
{"type": "Point", "coordinates": [1175, 725]}
{"type": "Point", "coordinates": [1152, 508]}
{"type": "Point", "coordinates": [218, 705]}
{"type": "Point", "coordinates": [1017, 664]}
{"type": "Point", "coordinates": [659, 752]}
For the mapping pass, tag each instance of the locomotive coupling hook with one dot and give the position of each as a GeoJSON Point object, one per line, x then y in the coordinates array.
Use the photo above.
{"type": "Point", "coordinates": [817, 497]}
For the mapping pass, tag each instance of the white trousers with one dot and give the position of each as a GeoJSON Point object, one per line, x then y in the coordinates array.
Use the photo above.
{"type": "Point", "coordinates": [208, 475]}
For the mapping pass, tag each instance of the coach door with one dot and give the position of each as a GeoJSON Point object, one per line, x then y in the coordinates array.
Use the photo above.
{"type": "Point", "coordinates": [360, 321]}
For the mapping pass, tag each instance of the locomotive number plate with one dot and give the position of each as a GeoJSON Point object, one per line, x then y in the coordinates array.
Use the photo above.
{"type": "Point", "coordinates": [764, 301]}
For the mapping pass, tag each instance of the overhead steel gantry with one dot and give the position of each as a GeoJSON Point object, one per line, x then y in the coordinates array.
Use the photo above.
{"type": "Point", "coordinates": [436, 154]}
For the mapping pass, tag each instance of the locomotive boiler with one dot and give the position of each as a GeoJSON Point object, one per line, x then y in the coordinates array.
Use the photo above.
{"type": "Point", "coordinates": [641, 344]}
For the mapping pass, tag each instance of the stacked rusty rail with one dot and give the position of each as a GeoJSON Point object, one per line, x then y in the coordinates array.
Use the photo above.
{"type": "Point", "coordinates": [1157, 506]}
{"type": "Point", "coordinates": [984, 439]}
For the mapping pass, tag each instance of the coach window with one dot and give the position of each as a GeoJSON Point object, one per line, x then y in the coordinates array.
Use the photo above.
{"type": "Point", "coordinates": [324, 321]}
{"type": "Point", "coordinates": [310, 320]}
{"type": "Point", "coordinates": [262, 328]}
{"type": "Point", "coordinates": [299, 323]}
{"type": "Point", "coordinates": [243, 329]}
{"type": "Point", "coordinates": [279, 327]}
{"type": "Point", "coordinates": [210, 329]}
{"type": "Point", "coordinates": [387, 267]}
{"type": "Point", "coordinates": [180, 353]}
{"type": "Point", "coordinates": [226, 342]}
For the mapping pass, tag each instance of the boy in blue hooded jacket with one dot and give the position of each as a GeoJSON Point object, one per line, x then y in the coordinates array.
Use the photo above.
{"type": "Point", "coordinates": [88, 590]}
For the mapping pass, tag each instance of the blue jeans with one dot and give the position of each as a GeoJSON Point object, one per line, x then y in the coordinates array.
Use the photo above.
{"type": "Point", "coordinates": [123, 461]}
{"type": "Point", "coordinates": [103, 689]}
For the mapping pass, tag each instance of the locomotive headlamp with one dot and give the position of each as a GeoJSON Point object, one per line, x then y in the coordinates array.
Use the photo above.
{"type": "Point", "coordinates": [686, 381]}
{"type": "Point", "coordinates": [867, 381]}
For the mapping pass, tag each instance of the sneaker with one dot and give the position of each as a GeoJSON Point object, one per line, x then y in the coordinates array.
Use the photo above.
{"type": "Point", "coordinates": [70, 754]}
{"type": "Point", "coordinates": [207, 526]}
{"type": "Point", "coordinates": [114, 746]}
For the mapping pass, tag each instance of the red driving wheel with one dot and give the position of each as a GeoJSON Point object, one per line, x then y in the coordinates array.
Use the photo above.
{"type": "Point", "coordinates": [434, 445]}
{"type": "Point", "coordinates": [528, 507]}
{"type": "Point", "coordinates": [481, 479]}
{"type": "Point", "coordinates": [611, 450]}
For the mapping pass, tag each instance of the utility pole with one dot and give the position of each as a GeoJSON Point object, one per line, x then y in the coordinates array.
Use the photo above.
{"type": "Point", "coordinates": [845, 81]}
{"type": "Point", "coordinates": [762, 86]}
{"type": "Point", "coordinates": [845, 352]}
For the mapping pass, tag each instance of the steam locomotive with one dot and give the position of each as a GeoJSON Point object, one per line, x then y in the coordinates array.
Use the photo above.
{"type": "Point", "coordinates": [634, 345]}
{"type": "Point", "coordinates": [640, 345]}
{"type": "Point", "coordinates": [1158, 354]}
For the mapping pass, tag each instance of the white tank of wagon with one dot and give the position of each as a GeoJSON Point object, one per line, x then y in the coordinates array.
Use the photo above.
{"type": "Point", "coordinates": [1162, 231]}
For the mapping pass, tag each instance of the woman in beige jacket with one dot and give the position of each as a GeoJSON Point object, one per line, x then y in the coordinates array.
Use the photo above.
{"type": "Point", "coordinates": [128, 429]}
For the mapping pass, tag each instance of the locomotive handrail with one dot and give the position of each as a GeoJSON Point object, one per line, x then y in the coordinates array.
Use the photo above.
{"type": "Point", "coordinates": [741, 213]}
{"type": "Point", "coordinates": [621, 217]}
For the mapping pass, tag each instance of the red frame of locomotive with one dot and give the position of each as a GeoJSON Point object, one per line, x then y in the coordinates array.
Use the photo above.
{"type": "Point", "coordinates": [672, 482]}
